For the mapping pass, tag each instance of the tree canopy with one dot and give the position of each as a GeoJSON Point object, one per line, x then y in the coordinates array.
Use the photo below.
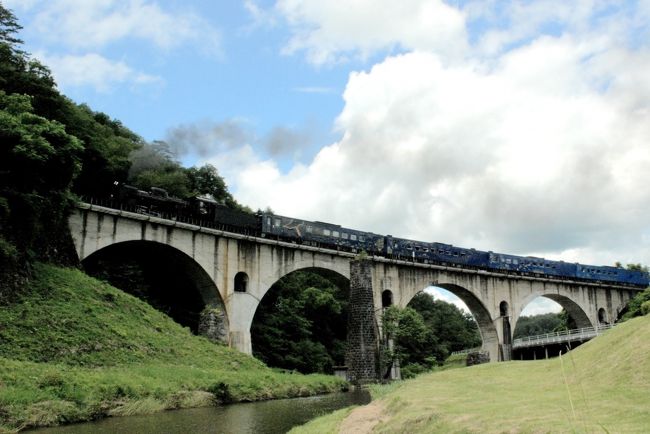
{"type": "Point", "coordinates": [301, 324]}
{"type": "Point", "coordinates": [52, 149]}
{"type": "Point", "coordinates": [426, 332]}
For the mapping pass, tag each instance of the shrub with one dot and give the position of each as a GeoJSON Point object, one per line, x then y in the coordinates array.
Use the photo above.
{"type": "Point", "coordinates": [645, 307]}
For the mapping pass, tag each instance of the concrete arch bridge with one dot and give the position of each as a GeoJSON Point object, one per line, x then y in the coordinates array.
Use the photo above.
{"type": "Point", "coordinates": [233, 272]}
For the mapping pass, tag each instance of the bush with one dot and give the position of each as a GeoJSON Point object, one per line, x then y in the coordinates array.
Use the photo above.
{"type": "Point", "coordinates": [635, 306]}
{"type": "Point", "coordinates": [645, 307]}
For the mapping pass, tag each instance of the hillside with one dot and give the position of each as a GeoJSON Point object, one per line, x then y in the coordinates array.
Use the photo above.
{"type": "Point", "coordinates": [73, 348]}
{"type": "Point", "coordinates": [602, 386]}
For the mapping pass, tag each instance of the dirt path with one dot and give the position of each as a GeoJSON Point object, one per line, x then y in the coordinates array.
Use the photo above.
{"type": "Point", "coordinates": [363, 419]}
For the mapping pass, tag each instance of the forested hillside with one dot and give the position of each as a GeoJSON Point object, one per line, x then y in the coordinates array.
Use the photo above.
{"type": "Point", "coordinates": [54, 151]}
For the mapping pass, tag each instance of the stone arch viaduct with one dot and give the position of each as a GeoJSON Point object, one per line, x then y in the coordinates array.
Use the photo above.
{"type": "Point", "coordinates": [233, 272]}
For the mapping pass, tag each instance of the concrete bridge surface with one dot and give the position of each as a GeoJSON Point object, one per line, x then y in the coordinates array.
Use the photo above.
{"type": "Point", "coordinates": [233, 272]}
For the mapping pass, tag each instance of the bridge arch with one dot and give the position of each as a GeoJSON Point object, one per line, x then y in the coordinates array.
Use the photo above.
{"type": "Point", "coordinates": [312, 332]}
{"type": "Point", "coordinates": [197, 292]}
{"type": "Point", "coordinates": [486, 326]}
{"type": "Point", "coordinates": [336, 276]}
{"type": "Point", "coordinates": [573, 308]}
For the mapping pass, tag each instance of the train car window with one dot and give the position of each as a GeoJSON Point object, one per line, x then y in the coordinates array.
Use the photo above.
{"type": "Point", "coordinates": [327, 232]}
{"type": "Point", "coordinates": [353, 237]}
{"type": "Point", "coordinates": [344, 235]}
{"type": "Point", "coordinates": [426, 249]}
{"type": "Point", "coordinates": [515, 262]}
{"type": "Point", "coordinates": [508, 261]}
{"type": "Point", "coordinates": [335, 234]}
{"type": "Point", "coordinates": [362, 238]}
{"type": "Point", "coordinates": [310, 228]}
{"type": "Point", "coordinates": [278, 222]}
{"type": "Point", "coordinates": [268, 221]}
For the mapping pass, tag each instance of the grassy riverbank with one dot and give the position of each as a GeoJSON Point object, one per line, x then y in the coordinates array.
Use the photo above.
{"type": "Point", "coordinates": [602, 386]}
{"type": "Point", "coordinates": [73, 348]}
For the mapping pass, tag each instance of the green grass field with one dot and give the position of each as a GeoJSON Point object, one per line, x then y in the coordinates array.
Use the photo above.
{"type": "Point", "coordinates": [602, 386]}
{"type": "Point", "coordinates": [73, 348]}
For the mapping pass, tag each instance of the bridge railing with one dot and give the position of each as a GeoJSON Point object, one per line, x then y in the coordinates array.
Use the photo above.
{"type": "Point", "coordinates": [205, 223]}
{"type": "Point", "coordinates": [466, 351]}
{"type": "Point", "coordinates": [561, 336]}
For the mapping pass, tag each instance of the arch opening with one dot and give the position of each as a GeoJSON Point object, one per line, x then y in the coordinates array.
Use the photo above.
{"type": "Point", "coordinates": [301, 322]}
{"type": "Point", "coordinates": [386, 298]}
{"type": "Point", "coordinates": [602, 317]}
{"type": "Point", "coordinates": [503, 308]}
{"type": "Point", "coordinates": [167, 279]}
{"type": "Point", "coordinates": [547, 314]}
{"type": "Point", "coordinates": [241, 282]}
{"type": "Point", "coordinates": [454, 319]}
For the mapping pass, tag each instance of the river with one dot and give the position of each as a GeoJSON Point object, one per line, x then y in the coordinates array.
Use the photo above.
{"type": "Point", "coordinates": [265, 417]}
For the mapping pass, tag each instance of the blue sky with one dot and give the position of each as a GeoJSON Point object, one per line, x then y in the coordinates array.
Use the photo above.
{"type": "Point", "coordinates": [513, 126]}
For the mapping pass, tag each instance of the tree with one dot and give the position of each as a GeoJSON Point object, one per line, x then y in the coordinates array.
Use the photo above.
{"type": "Point", "coordinates": [414, 343]}
{"type": "Point", "coordinates": [301, 324]}
{"type": "Point", "coordinates": [541, 324]}
{"type": "Point", "coordinates": [205, 180]}
{"type": "Point", "coordinates": [38, 162]}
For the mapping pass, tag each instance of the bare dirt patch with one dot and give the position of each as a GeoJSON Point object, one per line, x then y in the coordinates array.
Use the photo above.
{"type": "Point", "coordinates": [363, 419]}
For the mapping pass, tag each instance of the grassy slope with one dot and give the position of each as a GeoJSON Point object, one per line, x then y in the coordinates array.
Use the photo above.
{"type": "Point", "coordinates": [75, 348]}
{"type": "Point", "coordinates": [602, 386]}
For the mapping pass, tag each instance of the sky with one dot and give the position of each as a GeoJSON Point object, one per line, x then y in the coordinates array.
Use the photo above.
{"type": "Point", "coordinates": [512, 126]}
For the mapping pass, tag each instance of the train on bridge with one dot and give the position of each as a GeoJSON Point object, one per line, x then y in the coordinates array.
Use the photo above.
{"type": "Point", "coordinates": [210, 213]}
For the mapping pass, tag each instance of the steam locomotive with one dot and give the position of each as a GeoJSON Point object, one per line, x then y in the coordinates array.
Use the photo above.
{"type": "Point", "coordinates": [210, 213]}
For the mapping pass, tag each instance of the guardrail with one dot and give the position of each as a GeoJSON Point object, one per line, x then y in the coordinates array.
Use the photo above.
{"type": "Point", "coordinates": [582, 334]}
{"type": "Point", "coordinates": [467, 351]}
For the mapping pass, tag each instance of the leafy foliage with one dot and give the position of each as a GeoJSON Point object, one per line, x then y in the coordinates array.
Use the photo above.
{"type": "Point", "coordinates": [426, 332]}
{"type": "Point", "coordinates": [635, 306]}
{"type": "Point", "coordinates": [540, 324]}
{"type": "Point", "coordinates": [301, 324]}
{"type": "Point", "coordinates": [38, 161]}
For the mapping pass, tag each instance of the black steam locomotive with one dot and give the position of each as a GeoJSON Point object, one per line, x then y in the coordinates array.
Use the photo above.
{"type": "Point", "coordinates": [207, 212]}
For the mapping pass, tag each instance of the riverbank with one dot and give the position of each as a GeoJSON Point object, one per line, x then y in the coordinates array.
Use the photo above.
{"type": "Point", "coordinates": [75, 349]}
{"type": "Point", "coordinates": [602, 386]}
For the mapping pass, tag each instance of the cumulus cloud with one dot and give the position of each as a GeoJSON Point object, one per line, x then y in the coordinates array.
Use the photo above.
{"type": "Point", "coordinates": [95, 71]}
{"type": "Point", "coordinates": [329, 31]}
{"type": "Point", "coordinates": [82, 24]}
{"type": "Point", "coordinates": [541, 148]}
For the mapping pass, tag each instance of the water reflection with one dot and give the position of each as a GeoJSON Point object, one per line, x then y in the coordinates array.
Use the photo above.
{"type": "Point", "coordinates": [268, 417]}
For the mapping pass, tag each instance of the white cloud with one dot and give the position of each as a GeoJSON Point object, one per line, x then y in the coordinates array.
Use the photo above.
{"type": "Point", "coordinates": [82, 24]}
{"type": "Point", "coordinates": [95, 71]}
{"type": "Point", "coordinates": [330, 31]}
{"type": "Point", "coordinates": [539, 306]}
{"type": "Point", "coordinates": [543, 148]}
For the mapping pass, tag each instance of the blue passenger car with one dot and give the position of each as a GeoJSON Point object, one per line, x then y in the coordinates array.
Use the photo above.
{"type": "Point", "coordinates": [612, 274]}
{"type": "Point", "coordinates": [531, 264]}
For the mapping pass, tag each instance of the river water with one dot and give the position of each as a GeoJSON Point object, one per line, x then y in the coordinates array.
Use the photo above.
{"type": "Point", "coordinates": [266, 417]}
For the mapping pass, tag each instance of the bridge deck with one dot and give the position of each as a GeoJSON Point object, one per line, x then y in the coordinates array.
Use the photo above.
{"type": "Point", "coordinates": [582, 334]}
{"type": "Point", "coordinates": [202, 226]}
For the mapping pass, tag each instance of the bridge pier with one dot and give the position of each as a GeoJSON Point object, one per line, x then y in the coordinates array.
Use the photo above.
{"type": "Point", "coordinates": [362, 354]}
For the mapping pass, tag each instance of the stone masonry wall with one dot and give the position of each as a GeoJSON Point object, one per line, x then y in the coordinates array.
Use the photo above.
{"type": "Point", "coordinates": [362, 352]}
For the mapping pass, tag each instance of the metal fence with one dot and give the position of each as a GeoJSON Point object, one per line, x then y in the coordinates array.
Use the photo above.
{"type": "Point", "coordinates": [582, 334]}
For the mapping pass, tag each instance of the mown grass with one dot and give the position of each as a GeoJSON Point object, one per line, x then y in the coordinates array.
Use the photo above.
{"type": "Point", "coordinates": [602, 386]}
{"type": "Point", "coordinates": [73, 348]}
